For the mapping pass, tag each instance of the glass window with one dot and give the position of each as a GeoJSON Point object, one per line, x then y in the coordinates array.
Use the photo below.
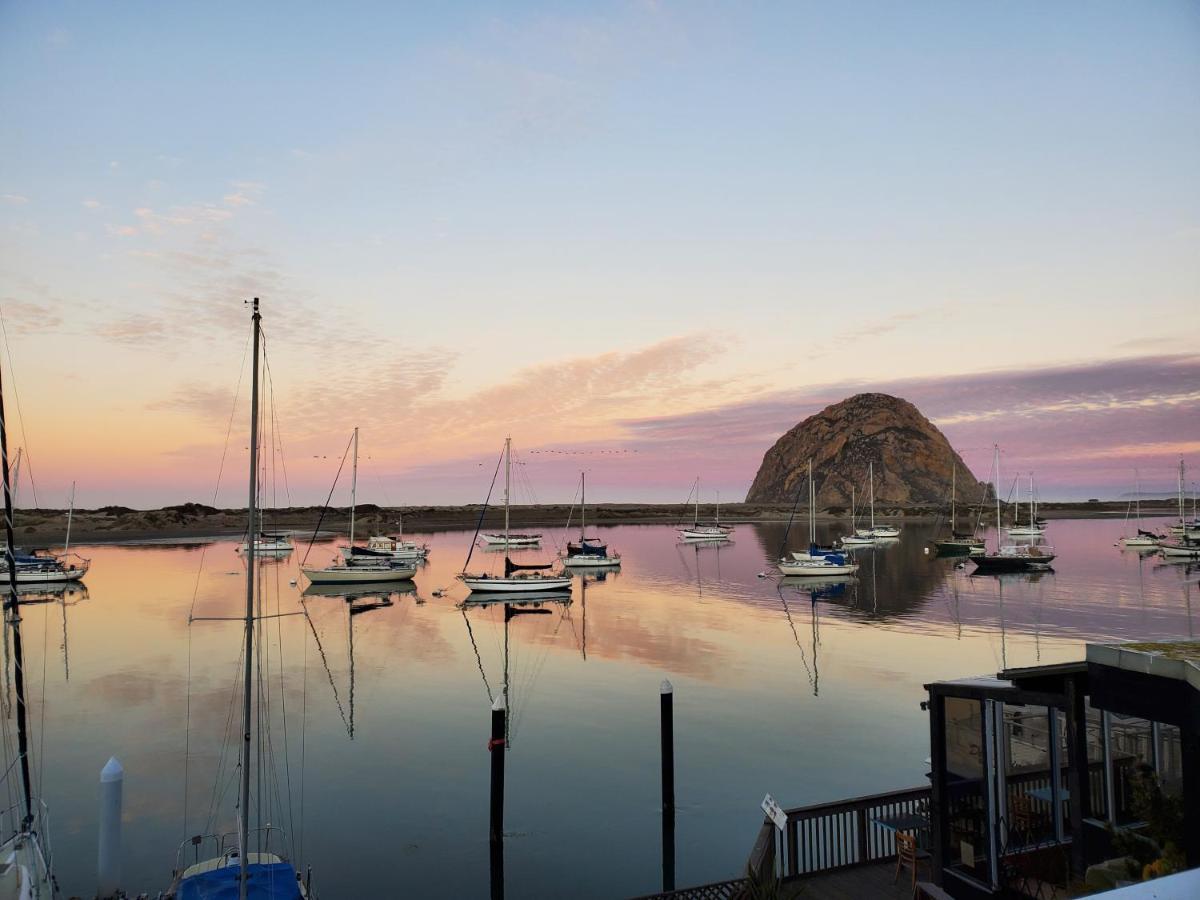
{"type": "Point", "coordinates": [1132, 755]}
{"type": "Point", "coordinates": [966, 847]}
{"type": "Point", "coordinates": [1026, 742]}
{"type": "Point", "coordinates": [1095, 755]}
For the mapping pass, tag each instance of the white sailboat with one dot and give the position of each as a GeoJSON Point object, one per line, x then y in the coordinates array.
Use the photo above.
{"type": "Point", "coordinates": [590, 554]}
{"type": "Point", "coordinates": [237, 870]}
{"type": "Point", "coordinates": [517, 577]}
{"type": "Point", "coordinates": [1033, 528]}
{"type": "Point", "coordinates": [856, 538]}
{"type": "Point", "coordinates": [351, 571]}
{"type": "Point", "coordinates": [957, 542]}
{"type": "Point", "coordinates": [875, 533]}
{"type": "Point", "coordinates": [698, 532]}
{"type": "Point", "coordinates": [1186, 540]}
{"type": "Point", "coordinates": [25, 871]}
{"type": "Point", "coordinates": [44, 567]}
{"type": "Point", "coordinates": [816, 562]}
{"type": "Point", "coordinates": [1140, 537]}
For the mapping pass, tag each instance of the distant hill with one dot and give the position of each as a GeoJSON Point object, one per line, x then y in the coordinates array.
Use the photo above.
{"type": "Point", "coordinates": [913, 460]}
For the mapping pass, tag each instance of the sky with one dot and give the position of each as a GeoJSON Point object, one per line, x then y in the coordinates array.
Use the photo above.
{"type": "Point", "coordinates": [643, 238]}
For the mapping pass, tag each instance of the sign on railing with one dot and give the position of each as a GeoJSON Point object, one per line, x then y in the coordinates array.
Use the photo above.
{"type": "Point", "coordinates": [774, 812]}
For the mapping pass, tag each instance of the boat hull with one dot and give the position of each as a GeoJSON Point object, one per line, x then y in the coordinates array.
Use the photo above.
{"type": "Point", "coordinates": [993, 563]}
{"type": "Point", "coordinates": [514, 540]}
{"type": "Point", "coordinates": [497, 584]}
{"type": "Point", "coordinates": [1179, 548]}
{"type": "Point", "coordinates": [359, 574]}
{"type": "Point", "coordinates": [815, 569]}
{"type": "Point", "coordinates": [590, 561]}
{"type": "Point", "coordinates": [704, 534]}
{"type": "Point", "coordinates": [48, 576]}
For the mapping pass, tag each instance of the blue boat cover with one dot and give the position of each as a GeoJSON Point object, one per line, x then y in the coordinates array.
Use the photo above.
{"type": "Point", "coordinates": [274, 881]}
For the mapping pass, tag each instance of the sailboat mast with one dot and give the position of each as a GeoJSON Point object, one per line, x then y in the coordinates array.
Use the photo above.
{"type": "Point", "coordinates": [718, 519]}
{"type": "Point", "coordinates": [244, 835]}
{"type": "Point", "coordinates": [507, 484]}
{"type": "Point", "coordinates": [696, 515]}
{"type": "Point", "coordinates": [871, 476]}
{"type": "Point", "coordinates": [812, 513]}
{"type": "Point", "coordinates": [1137, 496]}
{"type": "Point", "coordinates": [11, 605]}
{"type": "Point", "coordinates": [354, 486]}
{"type": "Point", "coordinates": [996, 466]}
{"type": "Point", "coordinates": [953, 495]}
{"type": "Point", "coordinates": [1031, 512]}
{"type": "Point", "coordinates": [70, 512]}
{"type": "Point", "coordinates": [582, 507]}
{"type": "Point", "coordinates": [1181, 516]}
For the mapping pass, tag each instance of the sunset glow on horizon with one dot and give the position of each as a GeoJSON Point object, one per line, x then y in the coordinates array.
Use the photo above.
{"type": "Point", "coordinates": [644, 239]}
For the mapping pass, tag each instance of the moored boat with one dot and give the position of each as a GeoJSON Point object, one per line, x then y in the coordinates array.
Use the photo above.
{"type": "Point", "coordinates": [1010, 557]}
{"type": "Point", "coordinates": [591, 553]}
{"type": "Point", "coordinates": [817, 561]}
{"type": "Point", "coordinates": [517, 577]}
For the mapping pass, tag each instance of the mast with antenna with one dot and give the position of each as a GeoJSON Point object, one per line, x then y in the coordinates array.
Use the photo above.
{"type": "Point", "coordinates": [244, 809]}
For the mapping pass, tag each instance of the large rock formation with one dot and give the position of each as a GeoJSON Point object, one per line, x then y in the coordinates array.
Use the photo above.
{"type": "Point", "coordinates": [913, 460]}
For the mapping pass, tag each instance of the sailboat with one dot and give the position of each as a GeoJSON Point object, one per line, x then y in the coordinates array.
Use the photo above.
{"type": "Point", "coordinates": [698, 532]}
{"type": "Point", "coordinates": [1186, 543]}
{"type": "Point", "coordinates": [1035, 528]}
{"type": "Point", "coordinates": [858, 537]}
{"type": "Point", "coordinates": [395, 547]}
{"type": "Point", "coordinates": [958, 542]}
{"type": "Point", "coordinates": [23, 852]}
{"type": "Point", "coordinates": [1140, 537]}
{"type": "Point", "coordinates": [817, 562]}
{"type": "Point", "coordinates": [359, 564]}
{"type": "Point", "coordinates": [875, 533]}
{"type": "Point", "coordinates": [238, 870]}
{"type": "Point", "coordinates": [588, 555]}
{"type": "Point", "coordinates": [1010, 557]}
{"type": "Point", "coordinates": [1188, 529]}
{"type": "Point", "coordinates": [44, 567]}
{"type": "Point", "coordinates": [519, 577]}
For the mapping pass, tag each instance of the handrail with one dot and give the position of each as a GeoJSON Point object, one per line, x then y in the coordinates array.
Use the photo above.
{"type": "Point", "coordinates": [837, 835]}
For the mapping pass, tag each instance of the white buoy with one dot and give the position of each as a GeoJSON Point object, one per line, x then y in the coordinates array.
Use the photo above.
{"type": "Point", "coordinates": [112, 779]}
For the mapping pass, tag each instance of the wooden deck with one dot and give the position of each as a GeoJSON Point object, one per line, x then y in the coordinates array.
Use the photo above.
{"type": "Point", "coordinates": [871, 882]}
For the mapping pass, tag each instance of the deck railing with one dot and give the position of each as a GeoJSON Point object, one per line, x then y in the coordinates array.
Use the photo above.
{"type": "Point", "coordinates": [839, 835]}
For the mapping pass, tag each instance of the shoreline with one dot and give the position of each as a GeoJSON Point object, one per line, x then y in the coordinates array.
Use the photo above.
{"type": "Point", "coordinates": [192, 521]}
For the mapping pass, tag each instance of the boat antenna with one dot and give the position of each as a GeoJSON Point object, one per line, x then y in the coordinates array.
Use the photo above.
{"type": "Point", "coordinates": [11, 605]}
{"type": "Point", "coordinates": [244, 825]}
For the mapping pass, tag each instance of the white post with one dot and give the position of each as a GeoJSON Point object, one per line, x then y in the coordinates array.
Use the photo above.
{"type": "Point", "coordinates": [112, 778]}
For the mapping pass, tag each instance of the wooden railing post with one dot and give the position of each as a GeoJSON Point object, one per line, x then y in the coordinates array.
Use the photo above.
{"type": "Point", "coordinates": [860, 822]}
{"type": "Point", "coordinates": [793, 844]}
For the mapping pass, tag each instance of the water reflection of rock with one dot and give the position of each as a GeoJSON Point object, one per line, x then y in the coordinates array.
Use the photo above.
{"type": "Point", "coordinates": [896, 579]}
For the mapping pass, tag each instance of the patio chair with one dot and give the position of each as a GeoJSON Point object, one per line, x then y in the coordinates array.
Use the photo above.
{"type": "Point", "coordinates": [908, 854]}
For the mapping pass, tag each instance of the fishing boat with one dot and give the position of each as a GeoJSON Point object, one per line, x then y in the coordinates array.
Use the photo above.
{"type": "Point", "coordinates": [517, 577]}
{"type": "Point", "coordinates": [593, 555]}
{"type": "Point", "coordinates": [958, 542]}
{"type": "Point", "coordinates": [1035, 527]}
{"type": "Point", "coordinates": [1140, 538]}
{"type": "Point", "coordinates": [1010, 557]}
{"type": "Point", "coordinates": [25, 859]}
{"type": "Point", "coordinates": [359, 565]}
{"type": "Point", "coordinates": [698, 532]}
{"type": "Point", "coordinates": [237, 870]}
{"type": "Point", "coordinates": [817, 562]}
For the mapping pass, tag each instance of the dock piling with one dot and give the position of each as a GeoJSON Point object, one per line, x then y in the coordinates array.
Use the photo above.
{"type": "Point", "coordinates": [667, 722]}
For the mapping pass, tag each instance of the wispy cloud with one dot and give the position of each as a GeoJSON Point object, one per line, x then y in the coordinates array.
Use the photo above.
{"type": "Point", "coordinates": [91, 203]}
{"type": "Point", "coordinates": [14, 199]}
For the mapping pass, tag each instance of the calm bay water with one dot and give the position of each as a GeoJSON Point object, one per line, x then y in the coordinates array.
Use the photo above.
{"type": "Point", "coordinates": [811, 695]}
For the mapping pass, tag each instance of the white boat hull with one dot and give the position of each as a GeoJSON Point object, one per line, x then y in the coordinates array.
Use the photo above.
{"type": "Point", "coordinates": [513, 540]}
{"type": "Point", "coordinates": [704, 534]}
{"type": "Point", "coordinates": [590, 561]}
{"type": "Point", "coordinates": [815, 568]}
{"type": "Point", "coordinates": [359, 574]}
{"type": "Point", "coordinates": [268, 547]}
{"type": "Point", "coordinates": [496, 584]}
{"type": "Point", "coordinates": [403, 555]}
{"type": "Point", "coordinates": [48, 576]}
{"type": "Point", "coordinates": [1178, 548]}
{"type": "Point", "coordinates": [1026, 531]}
{"type": "Point", "coordinates": [885, 531]}
{"type": "Point", "coordinates": [1139, 542]}
{"type": "Point", "coordinates": [854, 540]}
